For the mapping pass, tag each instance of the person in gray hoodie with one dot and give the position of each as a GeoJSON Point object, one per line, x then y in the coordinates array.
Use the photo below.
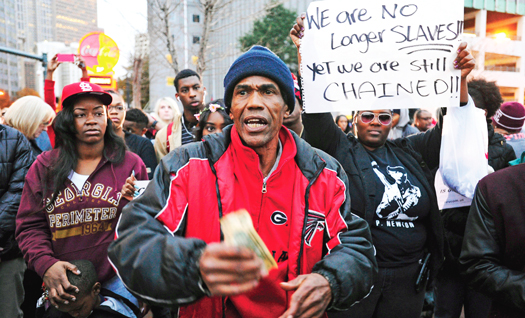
{"type": "Point", "coordinates": [401, 127]}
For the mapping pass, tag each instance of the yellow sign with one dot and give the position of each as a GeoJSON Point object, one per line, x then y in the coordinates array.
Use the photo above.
{"type": "Point", "coordinates": [100, 52]}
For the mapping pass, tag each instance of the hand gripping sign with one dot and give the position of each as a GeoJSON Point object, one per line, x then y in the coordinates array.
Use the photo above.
{"type": "Point", "coordinates": [381, 54]}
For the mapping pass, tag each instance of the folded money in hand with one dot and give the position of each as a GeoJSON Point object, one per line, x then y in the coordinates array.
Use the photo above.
{"type": "Point", "coordinates": [238, 230]}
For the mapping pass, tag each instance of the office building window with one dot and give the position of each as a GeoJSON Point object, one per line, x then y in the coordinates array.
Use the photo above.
{"type": "Point", "coordinates": [196, 39]}
{"type": "Point", "coordinates": [196, 18]}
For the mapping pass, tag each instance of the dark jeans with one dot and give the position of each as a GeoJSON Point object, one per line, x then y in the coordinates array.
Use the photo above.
{"type": "Point", "coordinates": [451, 293]}
{"type": "Point", "coordinates": [394, 295]}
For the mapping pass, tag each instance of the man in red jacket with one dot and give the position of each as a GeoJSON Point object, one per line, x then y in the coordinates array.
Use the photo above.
{"type": "Point", "coordinates": [168, 249]}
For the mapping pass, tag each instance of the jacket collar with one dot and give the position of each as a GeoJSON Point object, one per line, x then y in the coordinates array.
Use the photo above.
{"type": "Point", "coordinates": [306, 158]}
{"type": "Point", "coordinates": [247, 156]}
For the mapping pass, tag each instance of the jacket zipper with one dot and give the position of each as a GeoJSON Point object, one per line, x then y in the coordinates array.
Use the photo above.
{"type": "Point", "coordinates": [263, 191]}
{"type": "Point", "coordinates": [306, 207]}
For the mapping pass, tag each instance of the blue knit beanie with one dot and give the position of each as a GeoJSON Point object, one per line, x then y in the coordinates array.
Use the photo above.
{"type": "Point", "coordinates": [260, 61]}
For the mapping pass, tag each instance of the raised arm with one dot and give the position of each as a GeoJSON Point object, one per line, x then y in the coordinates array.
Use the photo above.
{"type": "Point", "coordinates": [320, 129]}
{"type": "Point", "coordinates": [49, 84]}
{"type": "Point", "coordinates": [296, 34]}
{"type": "Point", "coordinates": [428, 144]}
{"type": "Point", "coordinates": [49, 94]}
{"type": "Point", "coordinates": [466, 63]}
{"type": "Point", "coordinates": [323, 133]}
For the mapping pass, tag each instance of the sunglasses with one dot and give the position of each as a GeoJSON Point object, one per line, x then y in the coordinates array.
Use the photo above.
{"type": "Point", "coordinates": [368, 117]}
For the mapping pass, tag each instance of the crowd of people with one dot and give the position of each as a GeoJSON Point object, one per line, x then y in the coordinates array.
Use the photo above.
{"type": "Point", "coordinates": [347, 206]}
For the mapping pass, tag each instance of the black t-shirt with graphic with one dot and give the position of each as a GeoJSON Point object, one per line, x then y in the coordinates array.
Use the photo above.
{"type": "Point", "coordinates": [401, 205]}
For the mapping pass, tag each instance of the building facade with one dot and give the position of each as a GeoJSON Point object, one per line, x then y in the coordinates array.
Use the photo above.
{"type": "Point", "coordinates": [186, 24]}
{"type": "Point", "coordinates": [24, 23]}
{"type": "Point", "coordinates": [141, 45]}
{"type": "Point", "coordinates": [495, 31]}
{"type": "Point", "coordinates": [9, 79]}
{"type": "Point", "coordinates": [74, 19]}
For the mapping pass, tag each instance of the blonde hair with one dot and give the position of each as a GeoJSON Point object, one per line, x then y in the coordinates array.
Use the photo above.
{"type": "Point", "coordinates": [27, 113]}
{"type": "Point", "coordinates": [171, 102]}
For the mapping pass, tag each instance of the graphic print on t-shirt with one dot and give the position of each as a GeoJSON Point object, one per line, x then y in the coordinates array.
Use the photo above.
{"type": "Point", "coordinates": [399, 196]}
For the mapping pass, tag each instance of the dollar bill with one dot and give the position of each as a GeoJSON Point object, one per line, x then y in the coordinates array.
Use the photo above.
{"type": "Point", "coordinates": [238, 230]}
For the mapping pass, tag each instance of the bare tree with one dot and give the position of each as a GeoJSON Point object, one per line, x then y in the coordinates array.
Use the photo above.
{"type": "Point", "coordinates": [211, 9]}
{"type": "Point", "coordinates": [141, 44]}
{"type": "Point", "coordinates": [216, 16]}
{"type": "Point", "coordinates": [137, 85]}
{"type": "Point", "coordinates": [163, 9]}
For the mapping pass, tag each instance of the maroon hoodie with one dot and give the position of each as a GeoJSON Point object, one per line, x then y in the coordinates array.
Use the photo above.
{"type": "Point", "coordinates": [81, 223]}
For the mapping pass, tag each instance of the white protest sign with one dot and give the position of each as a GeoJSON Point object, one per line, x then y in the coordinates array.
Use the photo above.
{"type": "Point", "coordinates": [446, 197]}
{"type": "Point", "coordinates": [381, 54]}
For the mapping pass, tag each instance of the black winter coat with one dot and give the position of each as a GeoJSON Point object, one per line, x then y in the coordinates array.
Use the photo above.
{"type": "Point", "coordinates": [492, 255]}
{"type": "Point", "coordinates": [15, 160]}
{"type": "Point", "coordinates": [419, 153]}
{"type": "Point", "coordinates": [455, 220]}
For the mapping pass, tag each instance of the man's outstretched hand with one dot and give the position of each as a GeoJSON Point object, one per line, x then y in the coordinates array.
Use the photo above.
{"type": "Point", "coordinates": [311, 297]}
{"type": "Point", "coordinates": [229, 271]}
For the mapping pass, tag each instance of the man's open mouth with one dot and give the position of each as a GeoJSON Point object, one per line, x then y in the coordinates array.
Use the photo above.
{"type": "Point", "coordinates": [256, 122]}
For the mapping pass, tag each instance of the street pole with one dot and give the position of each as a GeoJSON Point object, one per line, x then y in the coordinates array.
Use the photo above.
{"type": "Point", "coordinates": [44, 65]}
{"type": "Point", "coordinates": [42, 58]}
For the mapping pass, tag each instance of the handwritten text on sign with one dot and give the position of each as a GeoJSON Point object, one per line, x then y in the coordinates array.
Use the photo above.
{"type": "Point", "coordinates": [381, 54]}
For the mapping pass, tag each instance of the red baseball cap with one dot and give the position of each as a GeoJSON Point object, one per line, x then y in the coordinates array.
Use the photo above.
{"type": "Point", "coordinates": [84, 88]}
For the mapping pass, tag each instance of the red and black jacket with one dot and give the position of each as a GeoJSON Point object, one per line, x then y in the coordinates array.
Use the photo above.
{"type": "Point", "coordinates": [162, 233]}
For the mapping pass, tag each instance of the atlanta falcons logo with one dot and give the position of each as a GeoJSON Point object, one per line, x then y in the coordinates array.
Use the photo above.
{"type": "Point", "coordinates": [315, 221]}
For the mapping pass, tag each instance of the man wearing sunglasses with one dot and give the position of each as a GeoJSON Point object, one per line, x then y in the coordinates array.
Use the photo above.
{"type": "Point", "coordinates": [391, 188]}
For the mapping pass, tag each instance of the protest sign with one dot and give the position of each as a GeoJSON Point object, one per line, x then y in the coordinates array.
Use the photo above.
{"type": "Point", "coordinates": [381, 54]}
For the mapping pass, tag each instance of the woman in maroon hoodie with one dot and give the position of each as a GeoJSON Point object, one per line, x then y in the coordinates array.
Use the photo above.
{"type": "Point", "coordinates": [72, 198]}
